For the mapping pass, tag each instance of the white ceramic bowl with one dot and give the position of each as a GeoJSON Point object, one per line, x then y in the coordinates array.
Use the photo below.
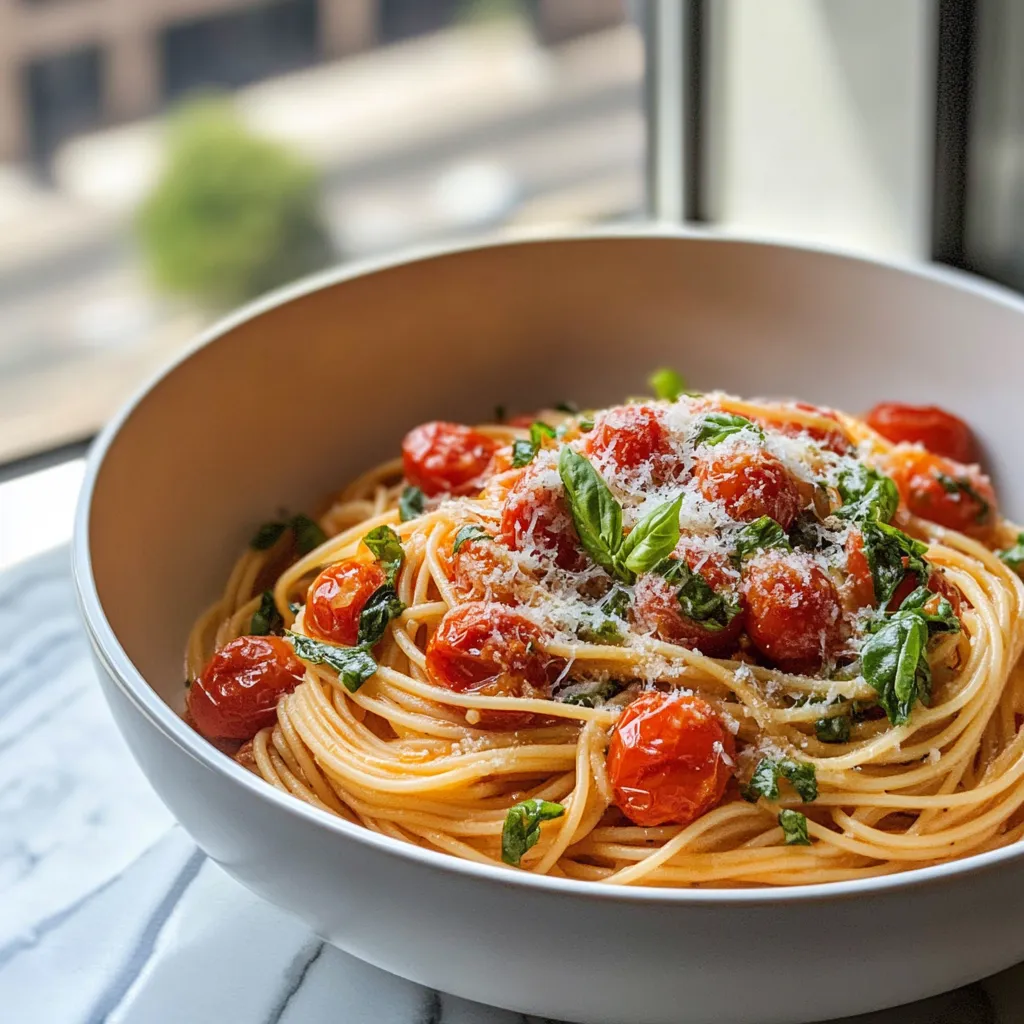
{"type": "Point", "coordinates": [295, 395]}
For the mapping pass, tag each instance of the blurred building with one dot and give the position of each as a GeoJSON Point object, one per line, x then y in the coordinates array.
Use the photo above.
{"type": "Point", "coordinates": [69, 66]}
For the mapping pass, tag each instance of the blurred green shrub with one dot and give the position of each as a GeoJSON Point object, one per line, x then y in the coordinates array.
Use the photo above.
{"type": "Point", "coordinates": [233, 214]}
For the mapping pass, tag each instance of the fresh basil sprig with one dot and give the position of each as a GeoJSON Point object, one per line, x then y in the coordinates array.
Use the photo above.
{"type": "Point", "coordinates": [354, 665]}
{"type": "Point", "coordinates": [834, 729]}
{"type": "Point", "coordinates": [467, 533]}
{"type": "Point", "coordinates": [601, 625]}
{"type": "Point", "coordinates": [666, 383]}
{"type": "Point", "coordinates": [386, 546]}
{"type": "Point", "coordinates": [760, 535]}
{"type": "Point", "coordinates": [522, 827]}
{"type": "Point", "coordinates": [867, 495]}
{"type": "Point", "coordinates": [698, 601]}
{"type": "Point", "coordinates": [891, 554]}
{"type": "Point", "coordinates": [305, 531]}
{"type": "Point", "coordinates": [1014, 557]}
{"type": "Point", "coordinates": [411, 503]}
{"type": "Point", "coordinates": [523, 450]}
{"type": "Point", "coordinates": [597, 517]}
{"type": "Point", "coordinates": [266, 619]}
{"type": "Point", "coordinates": [765, 780]}
{"type": "Point", "coordinates": [894, 657]}
{"type": "Point", "coordinates": [794, 828]}
{"type": "Point", "coordinates": [383, 604]}
{"type": "Point", "coordinates": [715, 427]}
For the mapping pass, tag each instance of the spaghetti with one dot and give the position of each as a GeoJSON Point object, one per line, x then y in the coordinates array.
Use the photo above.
{"type": "Point", "coordinates": [691, 641]}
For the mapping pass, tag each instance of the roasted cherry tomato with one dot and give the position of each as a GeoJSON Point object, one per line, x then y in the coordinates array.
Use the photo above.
{"type": "Point", "coordinates": [833, 438]}
{"type": "Point", "coordinates": [446, 458]}
{"type": "Point", "coordinates": [537, 520]}
{"type": "Point", "coordinates": [949, 493]}
{"type": "Point", "coordinates": [238, 691]}
{"type": "Point", "coordinates": [631, 436]}
{"type": "Point", "coordinates": [656, 606]}
{"type": "Point", "coordinates": [858, 591]}
{"type": "Point", "coordinates": [482, 571]}
{"type": "Point", "coordinates": [669, 759]}
{"type": "Point", "coordinates": [336, 599]}
{"type": "Point", "coordinates": [750, 484]}
{"type": "Point", "coordinates": [486, 648]}
{"type": "Point", "coordinates": [937, 584]}
{"type": "Point", "coordinates": [939, 431]}
{"type": "Point", "coordinates": [793, 610]}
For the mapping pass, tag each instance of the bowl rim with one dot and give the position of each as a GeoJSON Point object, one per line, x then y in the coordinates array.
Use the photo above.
{"type": "Point", "coordinates": [144, 698]}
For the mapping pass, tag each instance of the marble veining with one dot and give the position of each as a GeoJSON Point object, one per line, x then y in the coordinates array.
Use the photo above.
{"type": "Point", "coordinates": [109, 912]}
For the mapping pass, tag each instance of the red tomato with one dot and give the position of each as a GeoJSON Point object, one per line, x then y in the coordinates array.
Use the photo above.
{"type": "Point", "coordinates": [486, 648]}
{"type": "Point", "coordinates": [793, 610]}
{"type": "Point", "coordinates": [937, 584]}
{"type": "Point", "coordinates": [939, 431]}
{"type": "Point", "coordinates": [336, 598]}
{"type": "Point", "coordinates": [630, 436]}
{"type": "Point", "coordinates": [832, 438]}
{"type": "Point", "coordinates": [949, 493]}
{"type": "Point", "coordinates": [536, 519]}
{"type": "Point", "coordinates": [446, 458]}
{"type": "Point", "coordinates": [238, 691]}
{"type": "Point", "coordinates": [669, 759]}
{"type": "Point", "coordinates": [750, 484]}
{"type": "Point", "coordinates": [481, 571]}
{"type": "Point", "coordinates": [656, 607]}
{"type": "Point", "coordinates": [859, 588]}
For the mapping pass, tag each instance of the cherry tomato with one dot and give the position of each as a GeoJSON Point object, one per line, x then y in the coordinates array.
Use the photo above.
{"type": "Point", "coordinates": [750, 484]}
{"type": "Point", "coordinates": [793, 610]}
{"type": "Point", "coordinates": [336, 599]}
{"type": "Point", "coordinates": [446, 458]}
{"type": "Point", "coordinates": [482, 571]}
{"type": "Point", "coordinates": [859, 588]}
{"type": "Point", "coordinates": [656, 606]}
{"type": "Point", "coordinates": [630, 436]}
{"type": "Point", "coordinates": [832, 438]}
{"type": "Point", "coordinates": [537, 520]}
{"type": "Point", "coordinates": [949, 493]}
{"type": "Point", "coordinates": [939, 431]}
{"type": "Point", "coordinates": [669, 759]}
{"type": "Point", "coordinates": [937, 584]}
{"type": "Point", "coordinates": [486, 648]}
{"type": "Point", "coordinates": [239, 688]}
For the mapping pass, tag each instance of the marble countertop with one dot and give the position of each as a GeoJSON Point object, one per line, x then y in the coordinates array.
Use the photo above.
{"type": "Point", "coordinates": [109, 912]}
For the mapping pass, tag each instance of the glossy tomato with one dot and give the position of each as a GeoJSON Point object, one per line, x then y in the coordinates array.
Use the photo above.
{"type": "Point", "coordinates": [750, 483]}
{"type": "Point", "coordinates": [483, 571]}
{"type": "Point", "coordinates": [237, 693]}
{"type": "Point", "coordinates": [858, 590]}
{"type": "Point", "coordinates": [630, 436]}
{"type": "Point", "coordinates": [669, 759]}
{"type": "Point", "coordinates": [939, 431]}
{"type": "Point", "coordinates": [336, 599]}
{"type": "Point", "coordinates": [486, 648]}
{"type": "Point", "coordinates": [446, 458]}
{"type": "Point", "coordinates": [536, 519]}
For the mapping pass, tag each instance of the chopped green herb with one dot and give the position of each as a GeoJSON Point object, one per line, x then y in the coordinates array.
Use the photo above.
{"type": "Point", "coordinates": [586, 424]}
{"type": "Point", "coordinates": [765, 780]}
{"type": "Point", "coordinates": [266, 619]}
{"type": "Point", "coordinates": [1014, 557]}
{"type": "Point", "coordinates": [267, 535]}
{"type": "Point", "coordinates": [523, 451]}
{"type": "Point", "coordinates": [306, 532]}
{"type": "Point", "coordinates": [794, 828]}
{"type": "Point", "coordinates": [381, 607]}
{"type": "Point", "coordinates": [759, 535]}
{"type": "Point", "coordinates": [386, 546]}
{"type": "Point", "coordinates": [354, 665]}
{"type": "Point", "coordinates": [410, 504]}
{"type": "Point", "coordinates": [891, 554]}
{"type": "Point", "coordinates": [715, 427]}
{"type": "Point", "coordinates": [589, 695]}
{"type": "Point", "coordinates": [835, 729]}
{"type": "Point", "coordinates": [667, 383]}
{"type": "Point", "coordinates": [602, 625]}
{"type": "Point", "coordinates": [698, 601]}
{"type": "Point", "coordinates": [954, 485]}
{"type": "Point", "coordinates": [467, 533]}
{"type": "Point", "coordinates": [806, 533]}
{"type": "Point", "coordinates": [522, 827]}
{"type": "Point", "coordinates": [867, 495]}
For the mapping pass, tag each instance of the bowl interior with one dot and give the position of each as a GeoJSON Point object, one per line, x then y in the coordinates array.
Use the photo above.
{"type": "Point", "coordinates": [287, 405]}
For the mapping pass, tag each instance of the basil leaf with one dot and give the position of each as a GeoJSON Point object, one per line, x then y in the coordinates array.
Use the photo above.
{"type": "Point", "coordinates": [386, 546]}
{"type": "Point", "coordinates": [653, 539]}
{"type": "Point", "coordinates": [891, 554]}
{"type": "Point", "coordinates": [954, 485]}
{"type": "Point", "coordinates": [698, 601]}
{"type": "Point", "coordinates": [267, 535]}
{"type": "Point", "coordinates": [1014, 557]}
{"type": "Point", "coordinates": [308, 535]}
{"type": "Point", "coordinates": [354, 665]}
{"type": "Point", "coordinates": [266, 619]}
{"type": "Point", "coordinates": [601, 625]}
{"type": "Point", "coordinates": [586, 425]}
{"type": "Point", "coordinates": [715, 427]}
{"type": "Point", "coordinates": [570, 407]}
{"type": "Point", "coordinates": [667, 384]}
{"type": "Point", "coordinates": [894, 662]}
{"type": "Point", "coordinates": [410, 504]}
{"type": "Point", "coordinates": [381, 607]}
{"type": "Point", "coordinates": [765, 780]}
{"type": "Point", "coordinates": [522, 827]}
{"type": "Point", "coordinates": [595, 512]}
{"type": "Point", "coordinates": [794, 828]}
{"type": "Point", "coordinates": [588, 695]}
{"type": "Point", "coordinates": [833, 730]}
{"type": "Point", "coordinates": [867, 495]}
{"type": "Point", "coordinates": [468, 533]}
{"type": "Point", "coordinates": [760, 535]}
{"type": "Point", "coordinates": [943, 620]}
{"type": "Point", "coordinates": [523, 451]}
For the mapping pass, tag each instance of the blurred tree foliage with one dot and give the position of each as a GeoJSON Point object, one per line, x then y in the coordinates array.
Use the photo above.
{"type": "Point", "coordinates": [233, 214]}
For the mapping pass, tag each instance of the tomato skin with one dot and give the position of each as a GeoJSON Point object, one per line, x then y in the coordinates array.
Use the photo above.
{"type": "Point", "coordinates": [487, 648]}
{"type": "Point", "coordinates": [528, 504]}
{"type": "Point", "coordinates": [656, 608]}
{"type": "Point", "coordinates": [669, 759]}
{"type": "Point", "coordinates": [628, 436]}
{"type": "Point", "coordinates": [479, 572]}
{"type": "Point", "coordinates": [750, 484]}
{"type": "Point", "coordinates": [937, 584]}
{"type": "Point", "coordinates": [793, 610]}
{"type": "Point", "coordinates": [446, 458]}
{"type": "Point", "coordinates": [919, 474]}
{"type": "Point", "coordinates": [336, 599]}
{"type": "Point", "coordinates": [832, 438]}
{"type": "Point", "coordinates": [237, 692]}
{"type": "Point", "coordinates": [939, 431]}
{"type": "Point", "coordinates": [859, 588]}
